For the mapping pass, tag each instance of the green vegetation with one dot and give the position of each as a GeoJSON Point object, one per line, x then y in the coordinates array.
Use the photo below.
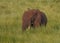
{"type": "Point", "coordinates": [11, 12]}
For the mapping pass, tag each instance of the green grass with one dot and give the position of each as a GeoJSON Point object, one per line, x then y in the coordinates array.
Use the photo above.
{"type": "Point", "coordinates": [11, 12]}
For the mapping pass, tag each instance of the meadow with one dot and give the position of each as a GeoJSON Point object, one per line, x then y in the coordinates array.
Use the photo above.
{"type": "Point", "coordinates": [11, 12]}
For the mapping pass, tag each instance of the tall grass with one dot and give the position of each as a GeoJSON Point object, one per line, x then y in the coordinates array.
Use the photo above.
{"type": "Point", "coordinates": [11, 12]}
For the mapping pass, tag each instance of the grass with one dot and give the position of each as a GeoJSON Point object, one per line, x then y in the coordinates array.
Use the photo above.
{"type": "Point", "coordinates": [11, 12]}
